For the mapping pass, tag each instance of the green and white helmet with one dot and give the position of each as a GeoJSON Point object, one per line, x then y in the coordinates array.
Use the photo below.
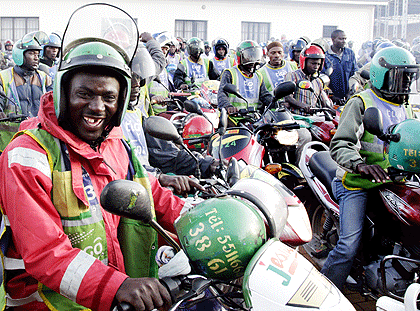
{"type": "Point", "coordinates": [404, 154]}
{"type": "Point", "coordinates": [108, 43]}
{"type": "Point", "coordinates": [220, 236]}
{"type": "Point", "coordinates": [393, 70]}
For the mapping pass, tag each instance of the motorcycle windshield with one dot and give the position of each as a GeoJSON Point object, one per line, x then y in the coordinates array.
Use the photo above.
{"type": "Point", "coordinates": [106, 23]}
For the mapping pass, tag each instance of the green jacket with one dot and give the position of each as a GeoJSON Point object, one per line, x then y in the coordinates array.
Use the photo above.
{"type": "Point", "coordinates": [352, 145]}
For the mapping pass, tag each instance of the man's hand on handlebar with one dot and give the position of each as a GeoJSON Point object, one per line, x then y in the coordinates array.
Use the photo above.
{"type": "Point", "coordinates": [232, 109]}
{"type": "Point", "coordinates": [157, 99]}
{"type": "Point", "coordinates": [183, 86]}
{"type": "Point", "coordinates": [182, 185]}
{"type": "Point", "coordinates": [144, 294]}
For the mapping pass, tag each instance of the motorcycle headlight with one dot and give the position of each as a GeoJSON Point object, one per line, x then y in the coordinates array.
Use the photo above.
{"type": "Point", "coordinates": [287, 138]}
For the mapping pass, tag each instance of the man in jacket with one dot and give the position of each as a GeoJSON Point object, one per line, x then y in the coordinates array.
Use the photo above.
{"type": "Point", "coordinates": [359, 155]}
{"type": "Point", "coordinates": [195, 69]}
{"type": "Point", "coordinates": [64, 244]}
{"type": "Point", "coordinates": [343, 62]}
{"type": "Point", "coordinates": [23, 83]}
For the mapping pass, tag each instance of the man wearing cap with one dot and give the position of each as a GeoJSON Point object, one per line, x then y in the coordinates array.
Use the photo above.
{"type": "Point", "coordinates": [276, 69]}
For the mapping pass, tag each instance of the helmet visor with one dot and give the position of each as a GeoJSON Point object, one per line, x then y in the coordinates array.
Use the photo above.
{"type": "Point", "coordinates": [105, 22]}
{"type": "Point", "coordinates": [34, 40]}
{"type": "Point", "coordinates": [195, 50]}
{"type": "Point", "coordinates": [404, 79]}
{"type": "Point", "coordinates": [251, 55]}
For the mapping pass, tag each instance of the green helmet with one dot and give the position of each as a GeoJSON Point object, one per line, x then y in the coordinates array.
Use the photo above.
{"type": "Point", "coordinates": [404, 154]}
{"type": "Point", "coordinates": [195, 47]}
{"type": "Point", "coordinates": [249, 52]}
{"type": "Point", "coordinates": [90, 54]}
{"type": "Point", "coordinates": [107, 45]}
{"type": "Point", "coordinates": [220, 236]}
{"type": "Point", "coordinates": [393, 69]}
{"type": "Point", "coordinates": [31, 41]}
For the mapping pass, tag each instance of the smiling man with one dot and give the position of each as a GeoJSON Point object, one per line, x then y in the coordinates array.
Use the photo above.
{"type": "Point", "coordinates": [24, 83]}
{"type": "Point", "coordinates": [70, 251]}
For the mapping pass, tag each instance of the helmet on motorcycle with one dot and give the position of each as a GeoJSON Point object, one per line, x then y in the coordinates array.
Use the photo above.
{"type": "Point", "coordinates": [403, 154]}
{"type": "Point", "coordinates": [194, 126]}
{"type": "Point", "coordinates": [248, 52]}
{"type": "Point", "coordinates": [312, 51]}
{"type": "Point", "coordinates": [297, 45]}
{"type": "Point", "coordinates": [393, 69]}
{"type": "Point", "coordinates": [220, 236]}
{"type": "Point", "coordinates": [220, 43]}
{"type": "Point", "coordinates": [195, 47]}
{"type": "Point", "coordinates": [30, 41]}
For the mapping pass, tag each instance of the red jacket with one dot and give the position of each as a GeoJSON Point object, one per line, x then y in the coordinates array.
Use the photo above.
{"type": "Point", "coordinates": [38, 238]}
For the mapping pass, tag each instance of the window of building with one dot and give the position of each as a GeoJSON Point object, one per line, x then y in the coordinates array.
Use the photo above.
{"type": "Point", "coordinates": [259, 32]}
{"type": "Point", "coordinates": [15, 28]}
{"type": "Point", "coordinates": [327, 30]}
{"type": "Point", "coordinates": [191, 28]}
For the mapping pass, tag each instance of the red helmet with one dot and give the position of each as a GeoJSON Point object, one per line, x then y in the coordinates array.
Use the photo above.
{"type": "Point", "coordinates": [195, 126]}
{"type": "Point", "coordinates": [312, 51]}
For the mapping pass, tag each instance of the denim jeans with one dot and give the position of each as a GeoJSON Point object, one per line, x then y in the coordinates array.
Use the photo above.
{"type": "Point", "coordinates": [352, 214]}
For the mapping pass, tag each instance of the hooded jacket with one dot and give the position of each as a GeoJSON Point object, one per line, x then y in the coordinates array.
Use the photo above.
{"type": "Point", "coordinates": [38, 236]}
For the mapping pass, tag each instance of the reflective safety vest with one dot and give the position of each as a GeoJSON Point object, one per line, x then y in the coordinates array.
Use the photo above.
{"type": "Point", "coordinates": [9, 87]}
{"type": "Point", "coordinates": [77, 219]}
{"type": "Point", "coordinates": [196, 72]}
{"type": "Point", "coordinates": [372, 149]}
{"type": "Point", "coordinates": [222, 64]}
{"type": "Point", "coordinates": [249, 88]}
{"type": "Point", "coordinates": [274, 76]}
{"type": "Point", "coordinates": [158, 89]}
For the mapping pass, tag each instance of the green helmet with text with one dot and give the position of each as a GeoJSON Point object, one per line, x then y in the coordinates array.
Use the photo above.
{"type": "Point", "coordinates": [220, 236]}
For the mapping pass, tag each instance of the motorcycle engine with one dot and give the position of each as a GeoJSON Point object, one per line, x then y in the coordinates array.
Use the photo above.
{"type": "Point", "coordinates": [395, 282]}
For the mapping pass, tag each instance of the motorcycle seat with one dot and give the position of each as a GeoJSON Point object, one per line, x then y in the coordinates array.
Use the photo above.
{"type": "Point", "coordinates": [323, 167]}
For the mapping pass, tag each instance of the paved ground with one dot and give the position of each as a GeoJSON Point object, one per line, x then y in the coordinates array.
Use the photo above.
{"type": "Point", "coordinates": [361, 303]}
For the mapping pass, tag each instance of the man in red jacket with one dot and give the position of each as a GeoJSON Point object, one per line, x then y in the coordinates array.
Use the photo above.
{"type": "Point", "coordinates": [64, 251]}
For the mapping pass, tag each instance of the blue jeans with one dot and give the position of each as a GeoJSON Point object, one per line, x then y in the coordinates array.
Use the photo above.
{"type": "Point", "coordinates": [352, 215]}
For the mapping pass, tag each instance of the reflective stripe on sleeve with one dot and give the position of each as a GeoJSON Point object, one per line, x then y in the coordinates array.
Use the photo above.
{"type": "Point", "coordinates": [74, 275]}
{"type": "Point", "coordinates": [30, 158]}
{"type": "Point", "coordinates": [10, 302]}
{"type": "Point", "coordinates": [13, 264]}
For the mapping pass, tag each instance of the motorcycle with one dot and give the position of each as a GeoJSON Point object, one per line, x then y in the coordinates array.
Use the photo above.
{"type": "Point", "coordinates": [263, 139]}
{"type": "Point", "coordinates": [297, 230]}
{"type": "Point", "coordinates": [321, 122]}
{"type": "Point", "coordinates": [389, 259]}
{"type": "Point", "coordinates": [274, 277]}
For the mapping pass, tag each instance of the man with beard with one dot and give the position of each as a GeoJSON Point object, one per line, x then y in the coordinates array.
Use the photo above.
{"type": "Point", "coordinates": [24, 84]}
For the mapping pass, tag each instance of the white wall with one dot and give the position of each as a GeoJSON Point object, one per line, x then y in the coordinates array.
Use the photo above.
{"type": "Point", "coordinates": [294, 19]}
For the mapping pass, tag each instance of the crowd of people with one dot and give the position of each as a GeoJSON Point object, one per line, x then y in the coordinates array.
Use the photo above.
{"type": "Point", "coordinates": [84, 129]}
